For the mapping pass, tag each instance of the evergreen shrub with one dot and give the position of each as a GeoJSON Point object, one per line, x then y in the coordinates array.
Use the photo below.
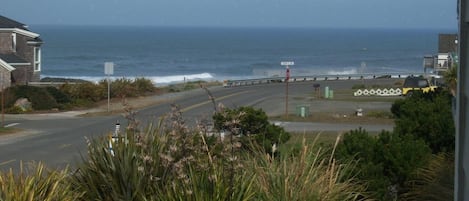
{"type": "Point", "coordinates": [39, 97]}
{"type": "Point", "coordinates": [386, 162]}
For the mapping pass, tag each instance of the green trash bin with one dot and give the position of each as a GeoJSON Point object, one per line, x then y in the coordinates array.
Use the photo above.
{"type": "Point", "coordinates": [302, 110]}
{"type": "Point", "coordinates": [326, 92]}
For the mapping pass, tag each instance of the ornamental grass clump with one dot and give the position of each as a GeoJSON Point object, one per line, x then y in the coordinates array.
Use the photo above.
{"type": "Point", "coordinates": [36, 184]}
{"type": "Point", "coordinates": [166, 161]}
{"type": "Point", "coordinates": [311, 174]}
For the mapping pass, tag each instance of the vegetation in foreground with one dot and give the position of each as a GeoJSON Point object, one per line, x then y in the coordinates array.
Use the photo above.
{"type": "Point", "coordinates": [416, 160]}
{"type": "Point", "coordinates": [169, 161]}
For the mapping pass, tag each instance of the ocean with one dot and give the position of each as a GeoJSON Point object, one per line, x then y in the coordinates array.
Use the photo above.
{"type": "Point", "coordinates": [174, 54]}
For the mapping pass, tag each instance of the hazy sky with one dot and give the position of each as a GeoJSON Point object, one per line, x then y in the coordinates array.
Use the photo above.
{"type": "Point", "coordinates": [277, 13]}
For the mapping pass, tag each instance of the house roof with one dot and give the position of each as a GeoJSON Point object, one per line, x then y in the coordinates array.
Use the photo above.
{"type": "Point", "coordinates": [12, 58]}
{"type": "Point", "coordinates": [9, 23]}
{"type": "Point", "coordinates": [17, 27]}
{"type": "Point", "coordinates": [5, 65]}
{"type": "Point", "coordinates": [447, 43]}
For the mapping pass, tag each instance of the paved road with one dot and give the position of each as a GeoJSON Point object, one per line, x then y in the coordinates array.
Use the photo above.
{"type": "Point", "coordinates": [59, 139]}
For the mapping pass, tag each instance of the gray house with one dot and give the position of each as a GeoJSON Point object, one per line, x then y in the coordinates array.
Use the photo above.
{"type": "Point", "coordinates": [20, 53]}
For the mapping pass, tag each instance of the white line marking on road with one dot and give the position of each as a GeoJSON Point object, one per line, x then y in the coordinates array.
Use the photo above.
{"type": "Point", "coordinates": [12, 124]}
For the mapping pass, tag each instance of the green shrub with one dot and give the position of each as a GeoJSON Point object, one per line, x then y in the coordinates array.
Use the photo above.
{"type": "Point", "coordinates": [426, 116]}
{"type": "Point", "coordinates": [14, 110]}
{"type": "Point", "coordinates": [123, 87]}
{"type": "Point", "coordinates": [39, 97]}
{"type": "Point", "coordinates": [58, 95]}
{"type": "Point", "coordinates": [86, 91]}
{"type": "Point", "coordinates": [386, 162]}
{"type": "Point", "coordinates": [143, 85]}
{"type": "Point", "coordinates": [253, 126]}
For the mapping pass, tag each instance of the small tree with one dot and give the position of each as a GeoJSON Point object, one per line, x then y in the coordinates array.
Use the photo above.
{"type": "Point", "coordinates": [253, 126]}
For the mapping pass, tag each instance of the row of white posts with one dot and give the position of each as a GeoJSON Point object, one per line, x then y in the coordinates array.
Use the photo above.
{"type": "Point", "coordinates": [378, 92]}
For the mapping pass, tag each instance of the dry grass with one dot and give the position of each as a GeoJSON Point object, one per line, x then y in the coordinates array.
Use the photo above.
{"type": "Point", "coordinates": [327, 117]}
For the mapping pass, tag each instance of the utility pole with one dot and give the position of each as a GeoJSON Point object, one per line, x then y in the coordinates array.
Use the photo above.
{"type": "Point", "coordinates": [287, 78]}
{"type": "Point", "coordinates": [461, 176]}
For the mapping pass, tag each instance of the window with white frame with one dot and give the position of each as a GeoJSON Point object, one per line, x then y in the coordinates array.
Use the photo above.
{"type": "Point", "coordinates": [13, 42]}
{"type": "Point", "coordinates": [37, 59]}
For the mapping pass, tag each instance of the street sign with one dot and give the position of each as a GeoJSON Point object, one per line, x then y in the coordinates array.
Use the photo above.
{"type": "Point", "coordinates": [287, 63]}
{"type": "Point", "coordinates": [108, 68]}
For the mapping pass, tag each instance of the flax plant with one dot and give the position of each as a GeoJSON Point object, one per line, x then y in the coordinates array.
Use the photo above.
{"type": "Point", "coordinates": [36, 184]}
{"type": "Point", "coordinates": [166, 161]}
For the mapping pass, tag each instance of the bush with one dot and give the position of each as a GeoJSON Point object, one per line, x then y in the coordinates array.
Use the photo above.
{"type": "Point", "coordinates": [252, 124]}
{"type": "Point", "coordinates": [385, 162]}
{"type": "Point", "coordinates": [58, 95]}
{"type": "Point", "coordinates": [426, 116]}
{"type": "Point", "coordinates": [85, 91]}
{"type": "Point", "coordinates": [39, 97]}
{"type": "Point", "coordinates": [123, 87]}
{"type": "Point", "coordinates": [14, 110]}
{"type": "Point", "coordinates": [143, 85]}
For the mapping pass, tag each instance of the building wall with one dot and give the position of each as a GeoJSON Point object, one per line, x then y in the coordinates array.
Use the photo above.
{"type": "Point", "coordinates": [5, 42]}
{"type": "Point", "coordinates": [5, 81]}
{"type": "Point", "coordinates": [24, 73]}
{"type": "Point", "coordinates": [20, 75]}
{"type": "Point", "coordinates": [26, 52]}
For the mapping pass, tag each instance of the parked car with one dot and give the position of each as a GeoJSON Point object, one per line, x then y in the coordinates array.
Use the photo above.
{"type": "Point", "coordinates": [412, 84]}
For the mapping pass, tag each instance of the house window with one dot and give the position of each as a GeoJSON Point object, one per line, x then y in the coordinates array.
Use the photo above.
{"type": "Point", "coordinates": [37, 59]}
{"type": "Point", "coordinates": [13, 42]}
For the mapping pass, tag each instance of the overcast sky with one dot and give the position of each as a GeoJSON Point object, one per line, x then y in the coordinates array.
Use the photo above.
{"type": "Point", "coordinates": [272, 13]}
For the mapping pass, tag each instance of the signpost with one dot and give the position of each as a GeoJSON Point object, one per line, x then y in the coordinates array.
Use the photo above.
{"type": "Point", "coordinates": [287, 77]}
{"type": "Point", "coordinates": [108, 70]}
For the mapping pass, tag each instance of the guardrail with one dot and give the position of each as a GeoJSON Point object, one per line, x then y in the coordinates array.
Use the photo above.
{"type": "Point", "coordinates": [47, 84]}
{"type": "Point", "coordinates": [247, 82]}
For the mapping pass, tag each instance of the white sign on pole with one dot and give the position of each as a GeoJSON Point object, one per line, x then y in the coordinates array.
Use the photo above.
{"type": "Point", "coordinates": [287, 63]}
{"type": "Point", "coordinates": [108, 68]}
